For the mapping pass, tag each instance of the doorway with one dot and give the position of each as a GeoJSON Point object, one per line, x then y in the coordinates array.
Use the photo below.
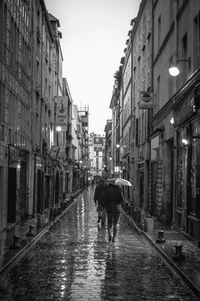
{"type": "Point", "coordinates": [12, 189]}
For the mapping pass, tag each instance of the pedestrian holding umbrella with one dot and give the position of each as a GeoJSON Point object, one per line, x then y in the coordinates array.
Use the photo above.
{"type": "Point", "coordinates": [113, 202]}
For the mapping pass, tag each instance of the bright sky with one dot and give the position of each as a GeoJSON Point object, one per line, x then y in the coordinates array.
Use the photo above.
{"type": "Point", "coordinates": [94, 34]}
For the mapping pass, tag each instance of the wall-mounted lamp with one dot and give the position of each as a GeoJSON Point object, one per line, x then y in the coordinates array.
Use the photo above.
{"type": "Point", "coordinates": [185, 141]}
{"type": "Point", "coordinates": [172, 120]}
{"type": "Point", "coordinates": [58, 129]}
{"type": "Point", "coordinates": [174, 70]}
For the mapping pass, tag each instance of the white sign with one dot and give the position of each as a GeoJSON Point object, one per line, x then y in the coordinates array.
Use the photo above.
{"type": "Point", "coordinates": [61, 110]}
{"type": "Point", "coordinates": [54, 151]}
{"type": "Point", "coordinates": [146, 100]}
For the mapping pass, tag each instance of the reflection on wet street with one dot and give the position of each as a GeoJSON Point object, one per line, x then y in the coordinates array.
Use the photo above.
{"type": "Point", "coordinates": [75, 261]}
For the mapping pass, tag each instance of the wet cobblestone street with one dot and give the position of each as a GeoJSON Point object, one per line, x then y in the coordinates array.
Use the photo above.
{"type": "Point", "coordinates": [75, 261]}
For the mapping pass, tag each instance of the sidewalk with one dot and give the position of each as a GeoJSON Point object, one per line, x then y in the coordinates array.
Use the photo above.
{"type": "Point", "coordinates": [179, 252]}
{"type": "Point", "coordinates": [15, 241]}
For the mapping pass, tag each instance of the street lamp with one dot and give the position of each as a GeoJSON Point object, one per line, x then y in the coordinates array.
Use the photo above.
{"type": "Point", "coordinates": [172, 120]}
{"type": "Point", "coordinates": [174, 69]}
{"type": "Point", "coordinates": [58, 128]}
{"type": "Point", "coordinates": [185, 141]}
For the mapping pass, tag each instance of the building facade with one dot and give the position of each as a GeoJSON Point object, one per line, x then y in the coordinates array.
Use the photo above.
{"type": "Point", "coordinates": [36, 151]}
{"type": "Point", "coordinates": [15, 110]}
{"type": "Point", "coordinates": [96, 155]}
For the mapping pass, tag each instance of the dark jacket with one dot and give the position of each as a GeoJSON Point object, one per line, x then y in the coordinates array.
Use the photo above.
{"type": "Point", "coordinates": [99, 194]}
{"type": "Point", "coordinates": [113, 197]}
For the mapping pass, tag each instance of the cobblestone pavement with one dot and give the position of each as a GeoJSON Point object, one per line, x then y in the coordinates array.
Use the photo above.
{"type": "Point", "coordinates": [75, 261]}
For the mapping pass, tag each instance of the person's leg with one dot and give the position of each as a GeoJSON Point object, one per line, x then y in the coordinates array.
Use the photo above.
{"type": "Point", "coordinates": [115, 221]}
{"type": "Point", "coordinates": [103, 217]}
{"type": "Point", "coordinates": [99, 213]}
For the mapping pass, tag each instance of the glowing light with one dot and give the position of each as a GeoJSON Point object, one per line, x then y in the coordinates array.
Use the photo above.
{"type": "Point", "coordinates": [185, 141]}
{"type": "Point", "coordinates": [51, 137]}
{"type": "Point", "coordinates": [174, 71]}
{"type": "Point", "coordinates": [58, 129]}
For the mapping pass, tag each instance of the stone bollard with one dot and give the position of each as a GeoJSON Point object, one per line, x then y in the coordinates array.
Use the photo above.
{"type": "Point", "coordinates": [179, 256]}
{"type": "Point", "coordinates": [16, 244]}
{"type": "Point", "coordinates": [160, 238]}
{"type": "Point", "coordinates": [30, 231]}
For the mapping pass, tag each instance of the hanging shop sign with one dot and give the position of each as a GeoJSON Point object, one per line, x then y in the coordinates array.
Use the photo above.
{"type": "Point", "coordinates": [146, 100]}
{"type": "Point", "coordinates": [61, 153]}
{"type": "Point", "coordinates": [2, 154]}
{"type": "Point", "coordinates": [54, 151]}
{"type": "Point", "coordinates": [61, 111]}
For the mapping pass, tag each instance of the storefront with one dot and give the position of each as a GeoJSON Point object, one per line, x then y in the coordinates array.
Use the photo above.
{"type": "Point", "coordinates": [17, 184]}
{"type": "Point", "coordinates": [187, 159]}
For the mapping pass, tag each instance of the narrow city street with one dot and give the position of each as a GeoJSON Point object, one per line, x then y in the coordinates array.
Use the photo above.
{"type": "Point", "coordinates": [75, 261]}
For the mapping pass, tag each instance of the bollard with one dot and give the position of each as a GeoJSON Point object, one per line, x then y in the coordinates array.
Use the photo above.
{"type": "Point", "coordinates": [30, 231]}
{"type": "Point", "coordinates": [179, 256]}
{"type": "Point", "coordinates": [16, 244]}
{"type": "Point", "coordinates": [160, 238]}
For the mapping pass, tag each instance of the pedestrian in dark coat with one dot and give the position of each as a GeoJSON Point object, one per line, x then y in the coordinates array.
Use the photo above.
{"type": "Point", "coordinates": [113, 202]}
{"type": "Point", "coordinates": [99, 199]}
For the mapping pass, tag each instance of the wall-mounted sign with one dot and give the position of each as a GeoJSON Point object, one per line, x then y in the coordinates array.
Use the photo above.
{"type": "Point", "coordinates": [61, 110]}
{"type": "Point", "coordinates": [54, 151]}
{"type": "Point", "coordinates": [61, 153]}
{"type": "Point", "coordinates": [146, 100]}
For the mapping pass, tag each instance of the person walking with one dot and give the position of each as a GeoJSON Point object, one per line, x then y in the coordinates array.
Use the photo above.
{"type": "Point", "coordinates": [113, 201]}
{"type": "Point", "coordinates": [99, 199]}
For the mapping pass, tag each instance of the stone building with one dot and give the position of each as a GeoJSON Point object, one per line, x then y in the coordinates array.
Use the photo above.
{"type": "Point", "coordinates": [176, 113]}
{"type": "Point", "coordinates": [164, 132]}
{"type": "Point", "coordinates": [35, 115]}
{"type": "Point", "coordinates": [96, 155]}
{"type": "Point", "coordinates": [141, 85]}
{"type": "Point", "coordinates": [15, 110]}
{"type": "Point", "coordinates": [108, 165]}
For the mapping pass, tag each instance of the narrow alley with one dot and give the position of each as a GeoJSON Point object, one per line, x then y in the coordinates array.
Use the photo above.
{"type": "Point", "coordinates": [75, 261]}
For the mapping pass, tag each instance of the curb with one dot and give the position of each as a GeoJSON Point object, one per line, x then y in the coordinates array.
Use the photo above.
{"type": "Point", "coordinates": [131, 221]}
{"type": "Point", "coordinates": [176, 269]}
{"type": "Point", "coordinates": [12, 262]}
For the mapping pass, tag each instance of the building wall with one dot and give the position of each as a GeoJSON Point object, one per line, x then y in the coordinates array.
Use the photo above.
{"type": "Point", "coordinates": [141, 81]}
{"type": "Point", "coordinates": [15, 94]}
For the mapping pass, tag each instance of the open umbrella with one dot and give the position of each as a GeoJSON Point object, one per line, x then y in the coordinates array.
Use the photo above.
{"type": "Point", "coordinates": [119, 181]}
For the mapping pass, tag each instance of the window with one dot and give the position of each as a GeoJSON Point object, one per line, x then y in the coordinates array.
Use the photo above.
{"type": "Point", "coordinates": [158, 94]}
{"type": "Point", "coordinates": [196, 46]}
{"type": "Point", "coordinates": [184, 56]}
{"type": "Point", "coordinates": [171, 11]}
{"type": "Point", "coordinates": [136, 132]}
